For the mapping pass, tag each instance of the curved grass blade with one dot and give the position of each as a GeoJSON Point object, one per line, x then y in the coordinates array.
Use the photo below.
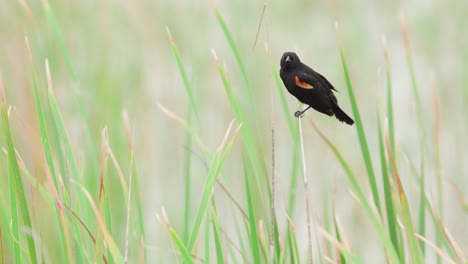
{"type": "Point", "coordinates": [183, 74]}
{"type": "Point", "coordinates": [361, 134]}
{"type": "Point", "coordinates": [415, 250]}
{"type": "Point", "coordinates": [180, 245]}
{"type": "Point", "coordinates": [45, 139]}
{"type": "Point", "coordinates": [188, 179]}
{"type": "Point", "coordinates": [338, 237]}
{"type": "Point", "coordinates": [17, 193]}
{"type": "Point", "coordinates": [247, 133]}
{"type": "Point", "coordinates": [237, 56]}
{"type": "Point", "coordinates": [114, 250]}
{"type": "Point", "coordinates": [207, 240]}
{"type": "Point", "coordinates": [388, 195]}
{"type": "Point", "coordinates": [213, 172]}
{"type": "Point", "coordinates": [52, 21]}
{"type": "Point", "coordinates": [391, 126]}
{"type": "Point", "coordinates": [253, 237]}
{"type": "Point", "coordinates": [384, 238]}
{"type": "Point", "coordinates": [217, 234]}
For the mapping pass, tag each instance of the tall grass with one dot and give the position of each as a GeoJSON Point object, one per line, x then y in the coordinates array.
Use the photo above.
{"type": "Point", "coordinates": [65, 198]}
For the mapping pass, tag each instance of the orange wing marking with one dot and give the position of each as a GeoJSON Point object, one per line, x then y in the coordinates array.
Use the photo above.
{"type": "Point", "coordinates": [302, 84]}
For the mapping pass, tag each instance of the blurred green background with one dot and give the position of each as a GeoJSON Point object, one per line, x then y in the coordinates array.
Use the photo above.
{"type": "Point", "coordinates": [116, 57]}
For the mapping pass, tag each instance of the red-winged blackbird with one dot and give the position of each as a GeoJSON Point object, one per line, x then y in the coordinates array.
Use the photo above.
{"type": "Point", "coordinates": [310, 87]}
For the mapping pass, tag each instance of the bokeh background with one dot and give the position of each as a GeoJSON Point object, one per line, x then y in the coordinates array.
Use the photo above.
{"type": "Point", "coordinates": [120, 60]}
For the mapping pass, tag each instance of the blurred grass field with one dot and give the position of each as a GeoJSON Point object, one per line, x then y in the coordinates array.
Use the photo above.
{"type": "Point", "coordinates": [148, 131]}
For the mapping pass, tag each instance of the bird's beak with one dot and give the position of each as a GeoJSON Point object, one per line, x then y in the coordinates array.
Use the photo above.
{"type": "Point", "coordinates": [288, 58]}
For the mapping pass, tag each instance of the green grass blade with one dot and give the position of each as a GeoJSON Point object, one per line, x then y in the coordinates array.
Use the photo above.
{"type": "Point", "coordinates": [295, 251]}
{"type": "Point", "coordinates": [338, 237]}
{"type": "Point", "coordinates": [207, 240]}
{"type": "Point", "coordinates": [52, 21]}
{"type": "Point", "coordinates": [17, 193]}
{"type": "Point", "coordinates": [45, 139]}
{"type": "Point", "coordinates": [393, 226]}
{"type": "Point", "coordinates": [217, 235]}
{"type": "Point", "coordinates": [289, 240]}
{"type": "Point", "coordinates": [58, 120]}
{"type": "Point", "coordinates": [183, 74]}
{"type": "Point", "coordinates": [278, 252]}
{"type": "Point", "coordinates": [252, 220]}
{"type": "Point", "coordinates": [43, 131]}
{"type": "Point", "coordinates": [139, 208]}
{"type": "Point", "coordinates": [180, 245]}
{"type": "Point", "coordinates": [361, 134]}
{"type": "Point", "coordinates": [216, 164]}
{"type": "Point", "coordinates": [237, 56]}
{"type": "Point", "coordinates": [422, 206]}
{"type": "Point", "coordinates": [414, 83]}
{"type": "Point", "coordinates": [114, 250]}
{"type": "Point", "coordinates": [391, 126]}
{"type": "Point", "coordinates": [384, 238]}
{"type": "Point", "coordinates": [415, 250]}
{"type": "Point", "coordinates": [14, 215]}
{"type": "Point", "coordinates": [207, 192]}
{"type": "Point", "coordinates": [441, 232]}
{"type": "Point", "coordinates": [250, 144]}
{"type": "Point", "coordinates": [188, 180]}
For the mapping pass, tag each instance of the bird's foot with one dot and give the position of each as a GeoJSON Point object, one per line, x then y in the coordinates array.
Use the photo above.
{"type": "Point", "coordinates": [299, 114]}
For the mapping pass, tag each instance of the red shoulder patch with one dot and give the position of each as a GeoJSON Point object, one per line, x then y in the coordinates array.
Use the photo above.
{"type": "Point", "coordinates": [302, 84]}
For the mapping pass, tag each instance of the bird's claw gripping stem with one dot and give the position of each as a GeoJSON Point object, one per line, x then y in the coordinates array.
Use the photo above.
{"type": "Point", "coordinates": [299, 114]}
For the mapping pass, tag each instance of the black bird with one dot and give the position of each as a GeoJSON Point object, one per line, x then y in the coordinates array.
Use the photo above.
{"type": "Point", "coordinates": [310, 87]}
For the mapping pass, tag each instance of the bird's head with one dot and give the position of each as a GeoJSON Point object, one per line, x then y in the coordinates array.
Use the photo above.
{"type": "Point", "coordinates": [289, 60]}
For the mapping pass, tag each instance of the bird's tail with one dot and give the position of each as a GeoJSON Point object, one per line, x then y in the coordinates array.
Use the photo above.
{"type": "Point", "coordinates": [340, 114]}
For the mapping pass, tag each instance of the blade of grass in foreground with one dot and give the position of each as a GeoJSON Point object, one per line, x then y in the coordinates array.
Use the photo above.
{"type": "Point", "coordinates": [441, 231]}
{"type": "Point", "coordinates": [64, 244]}
{"type": "Point", "coordinates": [102, 200]}
{"type": "Point", "coordinates": [237, 56]}
{"type": "Point", "coordinates": [415, 250]}
{"type": "Point", "coordinates": [360, 130]}
{"type": "Point", "coordinates": [13, 211]}
{"type": "Point", "coordinates": [207, 240]}
{"type": "Point", "coordinates": [338, 237]}
{"type": "Point", "coordinates": [250, 144]}
{"type": "Point", "coordinates": [187, 177]}
{"type": "Point", "coordinates": [180, 245]}
{"type": "Point", "coordinates": [384, 238]}
{"type": "Point", "coordinates": [422, 206]}
{"type": "Point", "coordinates": [207, 192]}
{"type": "Point", "coordinates": [217, 234]}
{"type": "Point", "coordinates": [17, 194]}
{"type": "Point", "coordinates": [388, 195]}
{"type": "Point", "coordinates": [134, 191]}
{"type": "Point", "coordinates": [63, 139]}
{"type": "Point", "coordinates": [183, 74]}
{"type": "Point", "coordinates": [414, 83]}
{"type": "Point", "coordinates": [391, 126]}
{"type": "Point", "coordinates": [45, 139]}
{"type": "Point", "coordinates": [253, 227]}
{"type": "Point", "coordinates": [213, 172]}
{"type": "Point", "coordinates": [114, 250]}
{"type": "Point", "coordinates": [52, 21]}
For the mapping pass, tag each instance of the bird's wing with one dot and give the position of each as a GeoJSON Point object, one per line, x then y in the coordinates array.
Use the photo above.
{"type": "Point", "coordinates": [325, 82]}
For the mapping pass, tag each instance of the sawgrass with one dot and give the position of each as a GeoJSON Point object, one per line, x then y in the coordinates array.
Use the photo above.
{"type": "Point", "coordinates": [83, 201]}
